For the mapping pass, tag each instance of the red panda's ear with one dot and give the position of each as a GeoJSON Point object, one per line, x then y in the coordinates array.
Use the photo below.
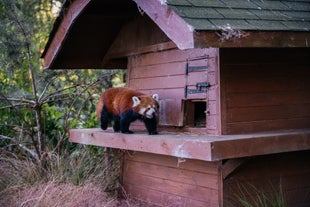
{"type": "Point", "coordinates": [155, 96]}
{"type": "Point", "coordinates": [136, 101]}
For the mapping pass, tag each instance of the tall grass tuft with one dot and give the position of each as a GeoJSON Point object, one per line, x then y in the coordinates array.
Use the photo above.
{"type": "Point", "coordinates": [85, 166]}
{"type": "Point", "coordinates": [248, 195]}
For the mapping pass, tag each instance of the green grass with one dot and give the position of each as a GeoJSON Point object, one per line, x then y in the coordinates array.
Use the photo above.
{"type": "Point", "coordinates": [248, 195]}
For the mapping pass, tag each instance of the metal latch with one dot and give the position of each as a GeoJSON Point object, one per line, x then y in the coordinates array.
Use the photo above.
{"type": "Point", "coordinates": [201, 87]}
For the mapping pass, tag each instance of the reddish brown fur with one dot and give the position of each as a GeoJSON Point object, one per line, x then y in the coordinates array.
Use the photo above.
{"type": "Point", "coordinates": [119, 100]}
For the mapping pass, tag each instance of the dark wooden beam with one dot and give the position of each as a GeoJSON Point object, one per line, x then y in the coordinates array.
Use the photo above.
{"type": "Point", "coordinates": [170, 23]}
{"type": "Point", "coordinates": [141, 50]}
{"type": "Point", "coordinates": [230, 166]}
{"type": "Point", "coordinates": [205, 39]}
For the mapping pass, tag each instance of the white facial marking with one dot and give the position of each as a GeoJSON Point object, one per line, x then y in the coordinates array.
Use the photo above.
{"type": "Point", "coordinates": [142, 110]}
{"type": "Point", "coordinates": [150, 113]}
{"type": "Point", "coordinates": [136, 101]}
{"type": "Point", "coordinates": [155, 96]}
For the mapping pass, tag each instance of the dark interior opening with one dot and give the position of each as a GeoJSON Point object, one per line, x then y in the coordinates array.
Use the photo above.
{"type": "Point", "coordinates": [199, 114]}
{"type": "Point", "coordinates": [195, 113]}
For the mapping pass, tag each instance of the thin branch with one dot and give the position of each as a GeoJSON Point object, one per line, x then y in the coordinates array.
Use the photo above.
{"type": "Point", "coordinates": [13, 106]}
{"type": "Point", "coordinates": [57, 96]}
{"type": "Point", "coordinates": [5, 98]}
{"type": "Point", "coordinates": [8, 125]}
{"type": "Point", "coordinates": [31, 152]}
{"type": "Point", "coordinates": [6, 137]}
{"type": "Point", "coordinates": [70, 107]}
{"type": "Point", "coordinates": [19, 100]}
{"type": "Point", "coordinates": [56, 93]}
{"type": "Point", "coordinates": [23, 147]}
{"type": "Point", "coordinates": [46, 87]}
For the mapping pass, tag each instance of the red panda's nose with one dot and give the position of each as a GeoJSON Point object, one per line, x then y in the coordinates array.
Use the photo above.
{"type": "Point", "coordinates": [150, 113]}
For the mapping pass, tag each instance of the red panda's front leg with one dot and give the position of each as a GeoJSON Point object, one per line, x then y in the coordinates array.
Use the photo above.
{"type": "Point", "coordinates": [151, 125]}
{"type": "Point", "coordinates": [125, 120]}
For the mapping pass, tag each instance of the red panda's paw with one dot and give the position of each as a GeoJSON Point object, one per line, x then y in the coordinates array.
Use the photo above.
{"type": "Point", "coordinates": [153, 133]}
{"type": "Point", "coordinates": [104, 125]}
{"type": "Point", "coordinates": [127, 132]}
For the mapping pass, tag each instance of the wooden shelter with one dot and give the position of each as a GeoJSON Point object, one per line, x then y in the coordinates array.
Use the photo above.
{"type": "Point", "coordinates": [233, 81]}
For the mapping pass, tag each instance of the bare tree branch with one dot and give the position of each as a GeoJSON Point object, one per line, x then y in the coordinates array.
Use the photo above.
{"type": "Point", "coordinates": [6, 137]}
{"type": "Point", "coordinates": [21, 146]}
{"type": "Point", "coordinates": [70, 108]}
{"type": "Point", "coordinates": [57, 93]}
{"type": "Point", "coordinates": [35, 104]}
{"type": "Point", "coordinates": [13, 106]}
{"type": "Point", "coordinates": [22, 100]}
{"type": "Point", "coordinates": [46, 87]}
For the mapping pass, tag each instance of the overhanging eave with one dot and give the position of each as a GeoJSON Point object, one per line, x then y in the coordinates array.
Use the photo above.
{"type": "Point", "coordinates": [255, 39]}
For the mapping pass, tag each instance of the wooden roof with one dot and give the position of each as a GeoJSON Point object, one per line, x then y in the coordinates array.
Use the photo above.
{"type": "Point", "coordinates": [85, 29]}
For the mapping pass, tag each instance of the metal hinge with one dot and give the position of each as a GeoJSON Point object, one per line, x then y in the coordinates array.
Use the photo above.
{"type": "Point", "coordinates": [201, 87]}
{"type": "Point", "coordinates": [194, 68]}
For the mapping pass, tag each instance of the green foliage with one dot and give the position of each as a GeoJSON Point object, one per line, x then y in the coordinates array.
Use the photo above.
{"type": "Point", "coordinates": [249, 195]}
{"type": "Point", "coordinates": [38, 107]}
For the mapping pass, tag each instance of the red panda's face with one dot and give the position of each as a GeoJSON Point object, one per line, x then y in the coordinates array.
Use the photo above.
{"type": "Point", "coordinates": [146, 105]}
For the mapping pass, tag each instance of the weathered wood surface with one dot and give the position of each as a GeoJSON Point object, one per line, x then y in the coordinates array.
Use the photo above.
{"type": "Point", "coordinates": [140, 35]}
{"type": "Point", "coordinates": [169, 181]}
{"type": "Point", "coordinates": [265, 89]}
{"type": "Point", "coordinates": [254, 39]}
{"type": "Point", "coordinates": [164, 72]}
{"type": "Point", "coordinates": [200, 147]}
{"type": "Point", "coordinates": [169, 22]}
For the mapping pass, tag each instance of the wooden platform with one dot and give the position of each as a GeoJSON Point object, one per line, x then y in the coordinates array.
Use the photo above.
{"type": "Point", "coordinates": [195, 146]}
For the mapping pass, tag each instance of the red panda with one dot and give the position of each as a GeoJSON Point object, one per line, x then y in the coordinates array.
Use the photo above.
{"type": "Point", "coordinates": [125, 105]}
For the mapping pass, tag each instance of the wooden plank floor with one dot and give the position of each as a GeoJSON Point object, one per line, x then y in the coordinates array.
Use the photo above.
{"type": "Point", "coordinates": [195, 146]}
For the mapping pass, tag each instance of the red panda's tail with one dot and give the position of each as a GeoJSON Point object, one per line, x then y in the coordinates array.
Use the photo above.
{"type": "Point", "coordinates": [99, 107]}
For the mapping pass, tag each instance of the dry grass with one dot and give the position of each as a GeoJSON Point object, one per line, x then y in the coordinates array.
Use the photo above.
{"type": "Point", "coordinates": [80, 179]}
{"type": "Point", "coordinates": [57, 195]}
{"type": "Point", "coordinates": [53, 194]}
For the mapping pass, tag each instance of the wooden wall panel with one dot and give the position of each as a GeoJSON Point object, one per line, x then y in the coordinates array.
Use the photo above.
{"type": "Point", "coordinates": [139, 32]}
{"type": "Point", "coordinates": [169, 181]}
{"type": "Point", "coordinates": [265, 89]}
{"type": "Point", "coordinates": [288, 171]}
{"type": "Point", "coordinates": [164, 72]}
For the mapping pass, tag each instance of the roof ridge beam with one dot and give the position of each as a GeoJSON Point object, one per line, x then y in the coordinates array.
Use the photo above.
{"type": "Point", "coordinates": [181, 33]}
